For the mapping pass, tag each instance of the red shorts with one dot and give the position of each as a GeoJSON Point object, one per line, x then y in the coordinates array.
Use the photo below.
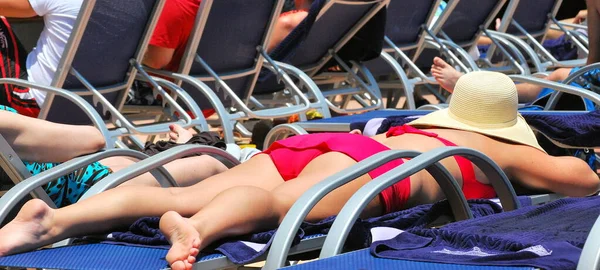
{"type": "Point", "coordinates": [291, 155]}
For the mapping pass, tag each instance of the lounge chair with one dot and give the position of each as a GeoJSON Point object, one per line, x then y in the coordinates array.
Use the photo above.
{"type": "Point", "coordinates": [10, 162]}
{"type": "Point", "coordinates": [554, 245]}
{"type": "Point", "coordinates": [460, 32]}
{"type": "Point", "coordinates": [527, 29]}
{"type": "Point", "coordinates": [408, 24]}
{"type": "Point", "coordinates": [150, 257]}
{"type": "Point", "coordinates": [223, 62]}
{"type": "Point", "coordinates": [100, 65]}
{"type": "Point", "coordinates": [313, 47]}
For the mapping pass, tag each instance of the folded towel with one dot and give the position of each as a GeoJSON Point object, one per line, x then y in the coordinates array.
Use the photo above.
{"type": "Point", "coordinates": [549, 236]}
{"type": "Point", "coordinates": [579, 130]}
{"type": "Point", "coordinates": [247, 248]}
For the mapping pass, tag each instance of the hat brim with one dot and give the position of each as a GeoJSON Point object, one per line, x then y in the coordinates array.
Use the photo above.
{"type": "Point", "coordinates": [519, 133]}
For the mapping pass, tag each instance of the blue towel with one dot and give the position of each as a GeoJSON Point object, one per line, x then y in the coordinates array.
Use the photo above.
{"type": "Point", "coordinates": [578, 130]}
{"type": "Point", "coordinates": [573, 130]}
{"type": "Point", "coordinates": [549, 236]}
{"type": "Point", "coordinates": [247, 248]}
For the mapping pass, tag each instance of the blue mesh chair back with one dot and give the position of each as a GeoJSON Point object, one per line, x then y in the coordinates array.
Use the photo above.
{"type": "Point", "coordinates": [404, 20]}
{"type": "Point", "coordinates": [533, 16]}
{"type": "Point", "coordinates": [111, 39]}
{"type": "Point", "coordinates": [328, 30]}
{"type": "Point", "coordinates": [229, 42]}
{"type": "Point", "coordinates": [287, 47]}
{"type": "Point", "coordinates": [325, 25]}
{"type": "Point", "coordinates": [403, 27]}
{"type": "Point", "coordinates": [468, 17]}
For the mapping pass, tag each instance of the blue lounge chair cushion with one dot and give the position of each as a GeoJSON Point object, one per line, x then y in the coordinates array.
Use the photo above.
{"type": "Point", "coordinates": [362, 259]}
{"type": "Point", "coordinates": [550, 236]}
{"type": "Point", "coordinates": [92, 256]}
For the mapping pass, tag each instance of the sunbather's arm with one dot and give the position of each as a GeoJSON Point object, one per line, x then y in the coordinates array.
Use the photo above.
{"type": "Point", "coordinates": [158, 57]}
{"type": "Point", "coordinates": [43, 141]}
{"type": "Point", "coordinates": [565, 175]}
{"type": "Point", "coordinates": [284, 26]}
{"type": "Point", "coordinates": [16, 9]}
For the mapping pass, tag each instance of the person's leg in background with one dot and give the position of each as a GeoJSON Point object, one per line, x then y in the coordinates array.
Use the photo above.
{"type": "Point", "coordinates": [593, 21]}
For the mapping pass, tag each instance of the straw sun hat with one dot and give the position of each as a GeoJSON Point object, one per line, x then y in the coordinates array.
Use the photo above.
{"type": "Point", "coordinates": [484, 102]}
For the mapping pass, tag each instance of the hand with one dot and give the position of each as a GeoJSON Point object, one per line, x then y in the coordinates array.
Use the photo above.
{"type": "Point", "coordinates": [581, 16]}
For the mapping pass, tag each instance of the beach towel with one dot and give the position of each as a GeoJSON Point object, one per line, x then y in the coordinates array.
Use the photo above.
{"type": "Point", "coordinates": [245, 249]}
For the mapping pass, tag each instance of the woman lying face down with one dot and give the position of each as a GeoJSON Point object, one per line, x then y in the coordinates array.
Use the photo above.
{"type": "Point", "coordinates": [257, 194]}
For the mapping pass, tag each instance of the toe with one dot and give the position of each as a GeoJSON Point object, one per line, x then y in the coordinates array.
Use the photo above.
{"type": "Point", "coordinates": [188, 265]}
{"type": "Point", "coordinates": [178, 265]}
{"type": "Point", "coordinates": [173, 136]}
{"type": "Point", "coordinates": [439, 62]}
{"type": "Point", "coordinates": [191, 259]}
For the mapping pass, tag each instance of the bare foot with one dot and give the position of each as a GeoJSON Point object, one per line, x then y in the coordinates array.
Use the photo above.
{"type": "Point", "coordinates": [179, 134]}
{"type": "Point", "coordinates": [445, 74]}
{"type": "Point", "coordinates": [31, 229]}
{"type": "Point", "coordinates": [185, 240]}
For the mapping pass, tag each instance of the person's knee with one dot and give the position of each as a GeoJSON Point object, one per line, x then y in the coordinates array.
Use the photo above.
{"type": "Point", "coordinates": [93, 139]}
{"type": "Point", "coordinates": [117, 163]}
{"type": "Point", "coordinates": [213, 165]}
{"type": "Point", "coordinates": [282, 204]}
{"type": "Point", "coordinates": [559, 74]}
{"type": "Point", "coordinates": [275, 204]}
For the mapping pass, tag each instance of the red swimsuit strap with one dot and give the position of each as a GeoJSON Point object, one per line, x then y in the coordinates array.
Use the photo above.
{"type": "Point", "coordinates": [471, 187]}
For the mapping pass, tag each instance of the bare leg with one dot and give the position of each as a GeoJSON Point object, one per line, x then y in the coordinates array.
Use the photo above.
{"type": "Point", "coordinates": [445, 74]}
{"type": "Point", "coordinates": [31, 137]}
{"type": "Point", "coordinates": [484, 40]}
{"type": "Point", "coordinates": [529, 92]}
{"type": "Point", "coordinates": [593, 21]}
{"type": "Point", "coordinates": [246, 209]}
{"type": "Point", "coordinates": [123, 205]}
{"type": "Point", "coordinates": [186, 171]}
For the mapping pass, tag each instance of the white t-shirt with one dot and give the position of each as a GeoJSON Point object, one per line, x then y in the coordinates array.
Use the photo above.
{"type": "Point", "coordinates": [59, 18]}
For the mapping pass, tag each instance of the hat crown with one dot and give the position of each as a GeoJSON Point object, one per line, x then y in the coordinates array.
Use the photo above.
{"type": "Point", "coordinates": [485, 99]}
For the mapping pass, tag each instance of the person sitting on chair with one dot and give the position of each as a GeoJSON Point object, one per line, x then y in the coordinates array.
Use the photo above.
{"type": "Point", "coordinates": [41, 63]}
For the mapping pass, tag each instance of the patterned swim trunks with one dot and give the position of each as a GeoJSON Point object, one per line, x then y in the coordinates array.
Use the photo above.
{"type": "Point", "coordinates": [68, 189]}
